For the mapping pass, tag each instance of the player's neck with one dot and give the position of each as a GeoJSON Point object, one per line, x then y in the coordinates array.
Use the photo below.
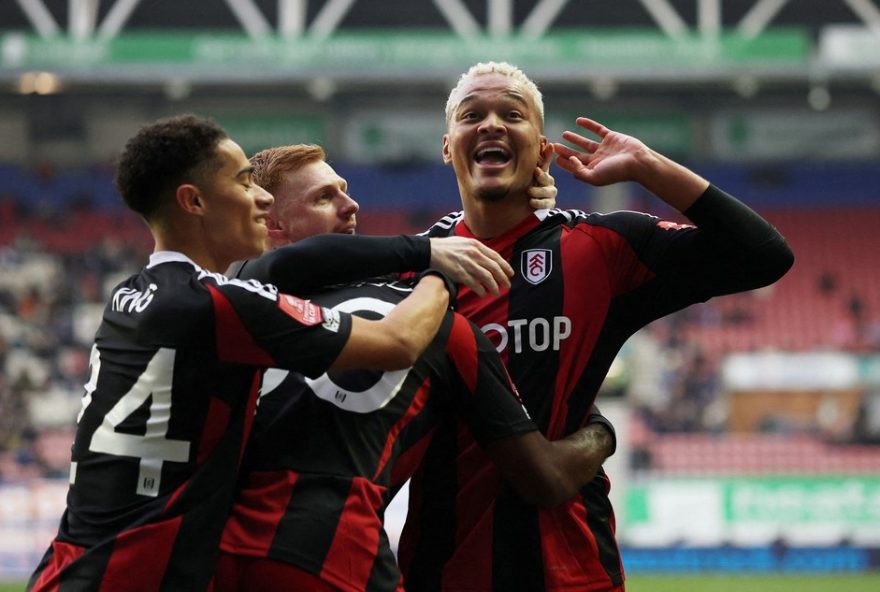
{"type": "Point", "coordinates": [194, 249]}
{"type": "Point", "coordinates": [487, 219]}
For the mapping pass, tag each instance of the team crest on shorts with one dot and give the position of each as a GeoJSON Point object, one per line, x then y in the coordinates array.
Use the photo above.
{"type": "Point", "coordinates": [536, 265]}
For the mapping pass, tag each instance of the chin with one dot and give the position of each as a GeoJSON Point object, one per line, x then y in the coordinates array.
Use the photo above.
{"type": "Point", "coordinates": [492, 194]}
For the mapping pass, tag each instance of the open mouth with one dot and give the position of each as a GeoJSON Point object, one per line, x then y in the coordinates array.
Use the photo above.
{"type": "Point", "coordinates": [492, 156]}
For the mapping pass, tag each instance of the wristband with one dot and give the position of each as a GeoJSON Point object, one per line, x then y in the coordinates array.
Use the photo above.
{"type": "Point", "coordinates": [450, 285]}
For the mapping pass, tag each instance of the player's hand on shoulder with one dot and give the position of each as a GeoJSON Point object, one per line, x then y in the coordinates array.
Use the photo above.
{"type": "Point", "coordinates": [468, 261]}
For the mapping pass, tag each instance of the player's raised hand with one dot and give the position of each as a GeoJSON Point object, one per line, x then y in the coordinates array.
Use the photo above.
{"type": "Point", "coordinates": [613, 158]}
{"type": "Point", "coordinates": [468, 261]}
{"type": "Point", "coordinates": [542, 192]}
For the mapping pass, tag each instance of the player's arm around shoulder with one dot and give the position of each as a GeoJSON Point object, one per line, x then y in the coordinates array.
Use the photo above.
{"type": "Point", "coordinates": [547, 473]}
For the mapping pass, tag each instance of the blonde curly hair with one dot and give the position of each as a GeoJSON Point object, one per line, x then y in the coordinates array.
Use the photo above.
{"type": "Point", "coordinates": [502, 68]}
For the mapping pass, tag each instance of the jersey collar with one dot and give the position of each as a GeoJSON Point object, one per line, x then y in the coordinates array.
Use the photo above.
{"type": "Point", "coordinates": [160, 257]}
{"type": "Point", "coordinates": [506, 240]}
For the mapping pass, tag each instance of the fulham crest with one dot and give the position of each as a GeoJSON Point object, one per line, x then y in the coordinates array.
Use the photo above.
{"type": "Point", "coordinates": [536, 265]}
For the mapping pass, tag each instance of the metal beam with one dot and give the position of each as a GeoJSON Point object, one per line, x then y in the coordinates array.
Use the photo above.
{"type": "Point", "coordinates": [292, 17]}
{"type": "Point", "coordinates": [329, 18]}
{"type": "Point", "coordinates": [250, 17]}
{"type": "Point", "coordinates": [116, 18]}
{"type": "Point", "coordinates": [458, 17]}
{"type": "Point", "coordinates": [759, 16]}
{"type": "Point", "coordinates": [40, 17]}
{"type": "Point", "coordinates": [500, 17]}
{"type": "Point", "coordinates": [666, 17]}
{"type": "Point", "coordinates": [709, 18]}
{"type": "Point", "coordinates": [541, 17]}
{"type": "Point", "coordinates": [82, 18]}
{"type": "Point", "coordinates": [867, 11]}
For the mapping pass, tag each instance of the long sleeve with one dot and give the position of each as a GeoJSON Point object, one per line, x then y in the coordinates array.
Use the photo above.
{"type": "Point", "coordinates": [330, 259]}
{"type": "Point", "coordinates": [734, 228]}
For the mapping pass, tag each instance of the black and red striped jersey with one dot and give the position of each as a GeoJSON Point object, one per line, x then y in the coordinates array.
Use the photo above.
{"type": "Point", "coordinates": [328, 453]}
{"type": "Point", "coordinates": [175, 372]}
{"type": "Point", "coordinates": [583, 284]}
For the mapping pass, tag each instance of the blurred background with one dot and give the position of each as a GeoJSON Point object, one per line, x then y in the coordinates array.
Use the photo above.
{"type": "Point", "coordinates": [749, 426]}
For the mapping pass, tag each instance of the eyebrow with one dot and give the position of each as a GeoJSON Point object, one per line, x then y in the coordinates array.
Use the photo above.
{"type": "Point", "coordinates": [246, 170]}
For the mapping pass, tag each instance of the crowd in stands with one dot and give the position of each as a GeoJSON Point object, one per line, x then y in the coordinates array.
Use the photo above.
{"type": "Point", "coordinates": [50, 306]}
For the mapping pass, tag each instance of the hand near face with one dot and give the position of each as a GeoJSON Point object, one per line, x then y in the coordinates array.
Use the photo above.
{"type": "Point", "coordinates": [542, 193]}
{"type": "Point", "coordinates": [615, 157]}
{"type": "Point", "coordinates": [468, 261]}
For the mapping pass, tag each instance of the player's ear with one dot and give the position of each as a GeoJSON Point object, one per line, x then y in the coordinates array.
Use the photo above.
{"type": "Point", "coordinates": [190, 199]}
{"type": "Point", "coordinates": [447, 156]}
{"type": "Point", "coordinates": [545, 154]}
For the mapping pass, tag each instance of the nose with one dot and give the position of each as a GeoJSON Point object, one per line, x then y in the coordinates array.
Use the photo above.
{"type": "Point", "coordinates": [263, 198]}
{"type": "Point", "coordinates": [348, 206]}
{"type": "Point", "coordinates": [491, 123]}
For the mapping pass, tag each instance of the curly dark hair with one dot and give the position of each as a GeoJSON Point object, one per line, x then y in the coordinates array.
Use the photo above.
{"type": "Point", "coordinates": [163, 155]}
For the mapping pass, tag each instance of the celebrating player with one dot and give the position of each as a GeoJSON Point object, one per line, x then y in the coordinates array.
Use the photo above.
{"type": "Point", "coordinates": [583, 285]}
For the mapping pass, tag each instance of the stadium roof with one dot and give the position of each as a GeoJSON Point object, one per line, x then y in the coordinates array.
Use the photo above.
{"type": "Point", "coordinates": [406, 41]}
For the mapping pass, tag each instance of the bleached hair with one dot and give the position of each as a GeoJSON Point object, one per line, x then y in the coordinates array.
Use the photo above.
{"type": "Point", "coordinates": [502, 68]}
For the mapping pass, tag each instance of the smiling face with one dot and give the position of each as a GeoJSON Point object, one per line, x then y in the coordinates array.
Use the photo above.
{"type": "Point", "coordinates": [235, 208]}
{"type": "Point", "coordinates": [494, 138]}
{"type": "Point", "coordinates": [312, 200]}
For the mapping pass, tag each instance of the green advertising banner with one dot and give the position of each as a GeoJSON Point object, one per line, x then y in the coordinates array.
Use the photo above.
{"type": "Point", "coordinates": [788, 500]}
{"type": "Point", "coordinates": [377, 52]}
{"type": "Point", "coordinates": [806, 510]}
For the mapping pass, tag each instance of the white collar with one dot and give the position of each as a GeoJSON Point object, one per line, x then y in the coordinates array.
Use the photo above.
{"type": "Point", "coordinates": [159, 257]}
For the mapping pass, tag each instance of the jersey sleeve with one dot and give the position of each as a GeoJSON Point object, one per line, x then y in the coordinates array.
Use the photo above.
{"type": "Point", "coordinates": [729, 249]}
{"type": "Point", "coordinates": [255, 324]}
{"type": "Point", "coordinates": [485, 396]}
{"type": "Point", "coordinates": [330, 259]}
{"type": "Point", "coordinates": [737, 233]}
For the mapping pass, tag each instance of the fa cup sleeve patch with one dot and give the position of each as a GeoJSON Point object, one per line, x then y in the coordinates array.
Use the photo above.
{"type": "Point", "coordinates": [302, 311]}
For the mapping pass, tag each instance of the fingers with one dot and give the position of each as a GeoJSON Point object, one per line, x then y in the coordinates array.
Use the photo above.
{"type": "Point", "coordinates": [547, 203]}
{"type": "Point", "coordinates": [543, 179]}
{"type": "Point", "coordinates": [570, 163]}
{"type": "Point", "coordinates": [497, 262]}
{"type": "Point", "coordinates": [484, 277]}
{"type": "Point", "coordinates": [593, 126]}
{"type": "Point", "coordinates": [563, 152]}
{"type": "Point", "coordinates": [579, 140]}
{"type": "Point", "coordinates": [470, 262]}
{"type": "Point", "coordinates": [548, 192]}
{"type": "Point", "coordinates": [476, 286]}
{"type": "Point", "coordinates": [490, 271]}
{"type": "Point", "coordinates": [542, 193]}
{"type": "Point", "coordinates": [574, 165]}
{"type": "Point", "coordinates": [564, 156]}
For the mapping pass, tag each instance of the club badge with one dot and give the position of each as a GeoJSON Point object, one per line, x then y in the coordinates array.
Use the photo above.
{"type": "Point", "coordinates": [536, 265]}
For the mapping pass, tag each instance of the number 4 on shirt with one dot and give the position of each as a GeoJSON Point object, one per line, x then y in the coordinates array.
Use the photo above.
{"type": "Point", "coordinates": [153, 447]}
